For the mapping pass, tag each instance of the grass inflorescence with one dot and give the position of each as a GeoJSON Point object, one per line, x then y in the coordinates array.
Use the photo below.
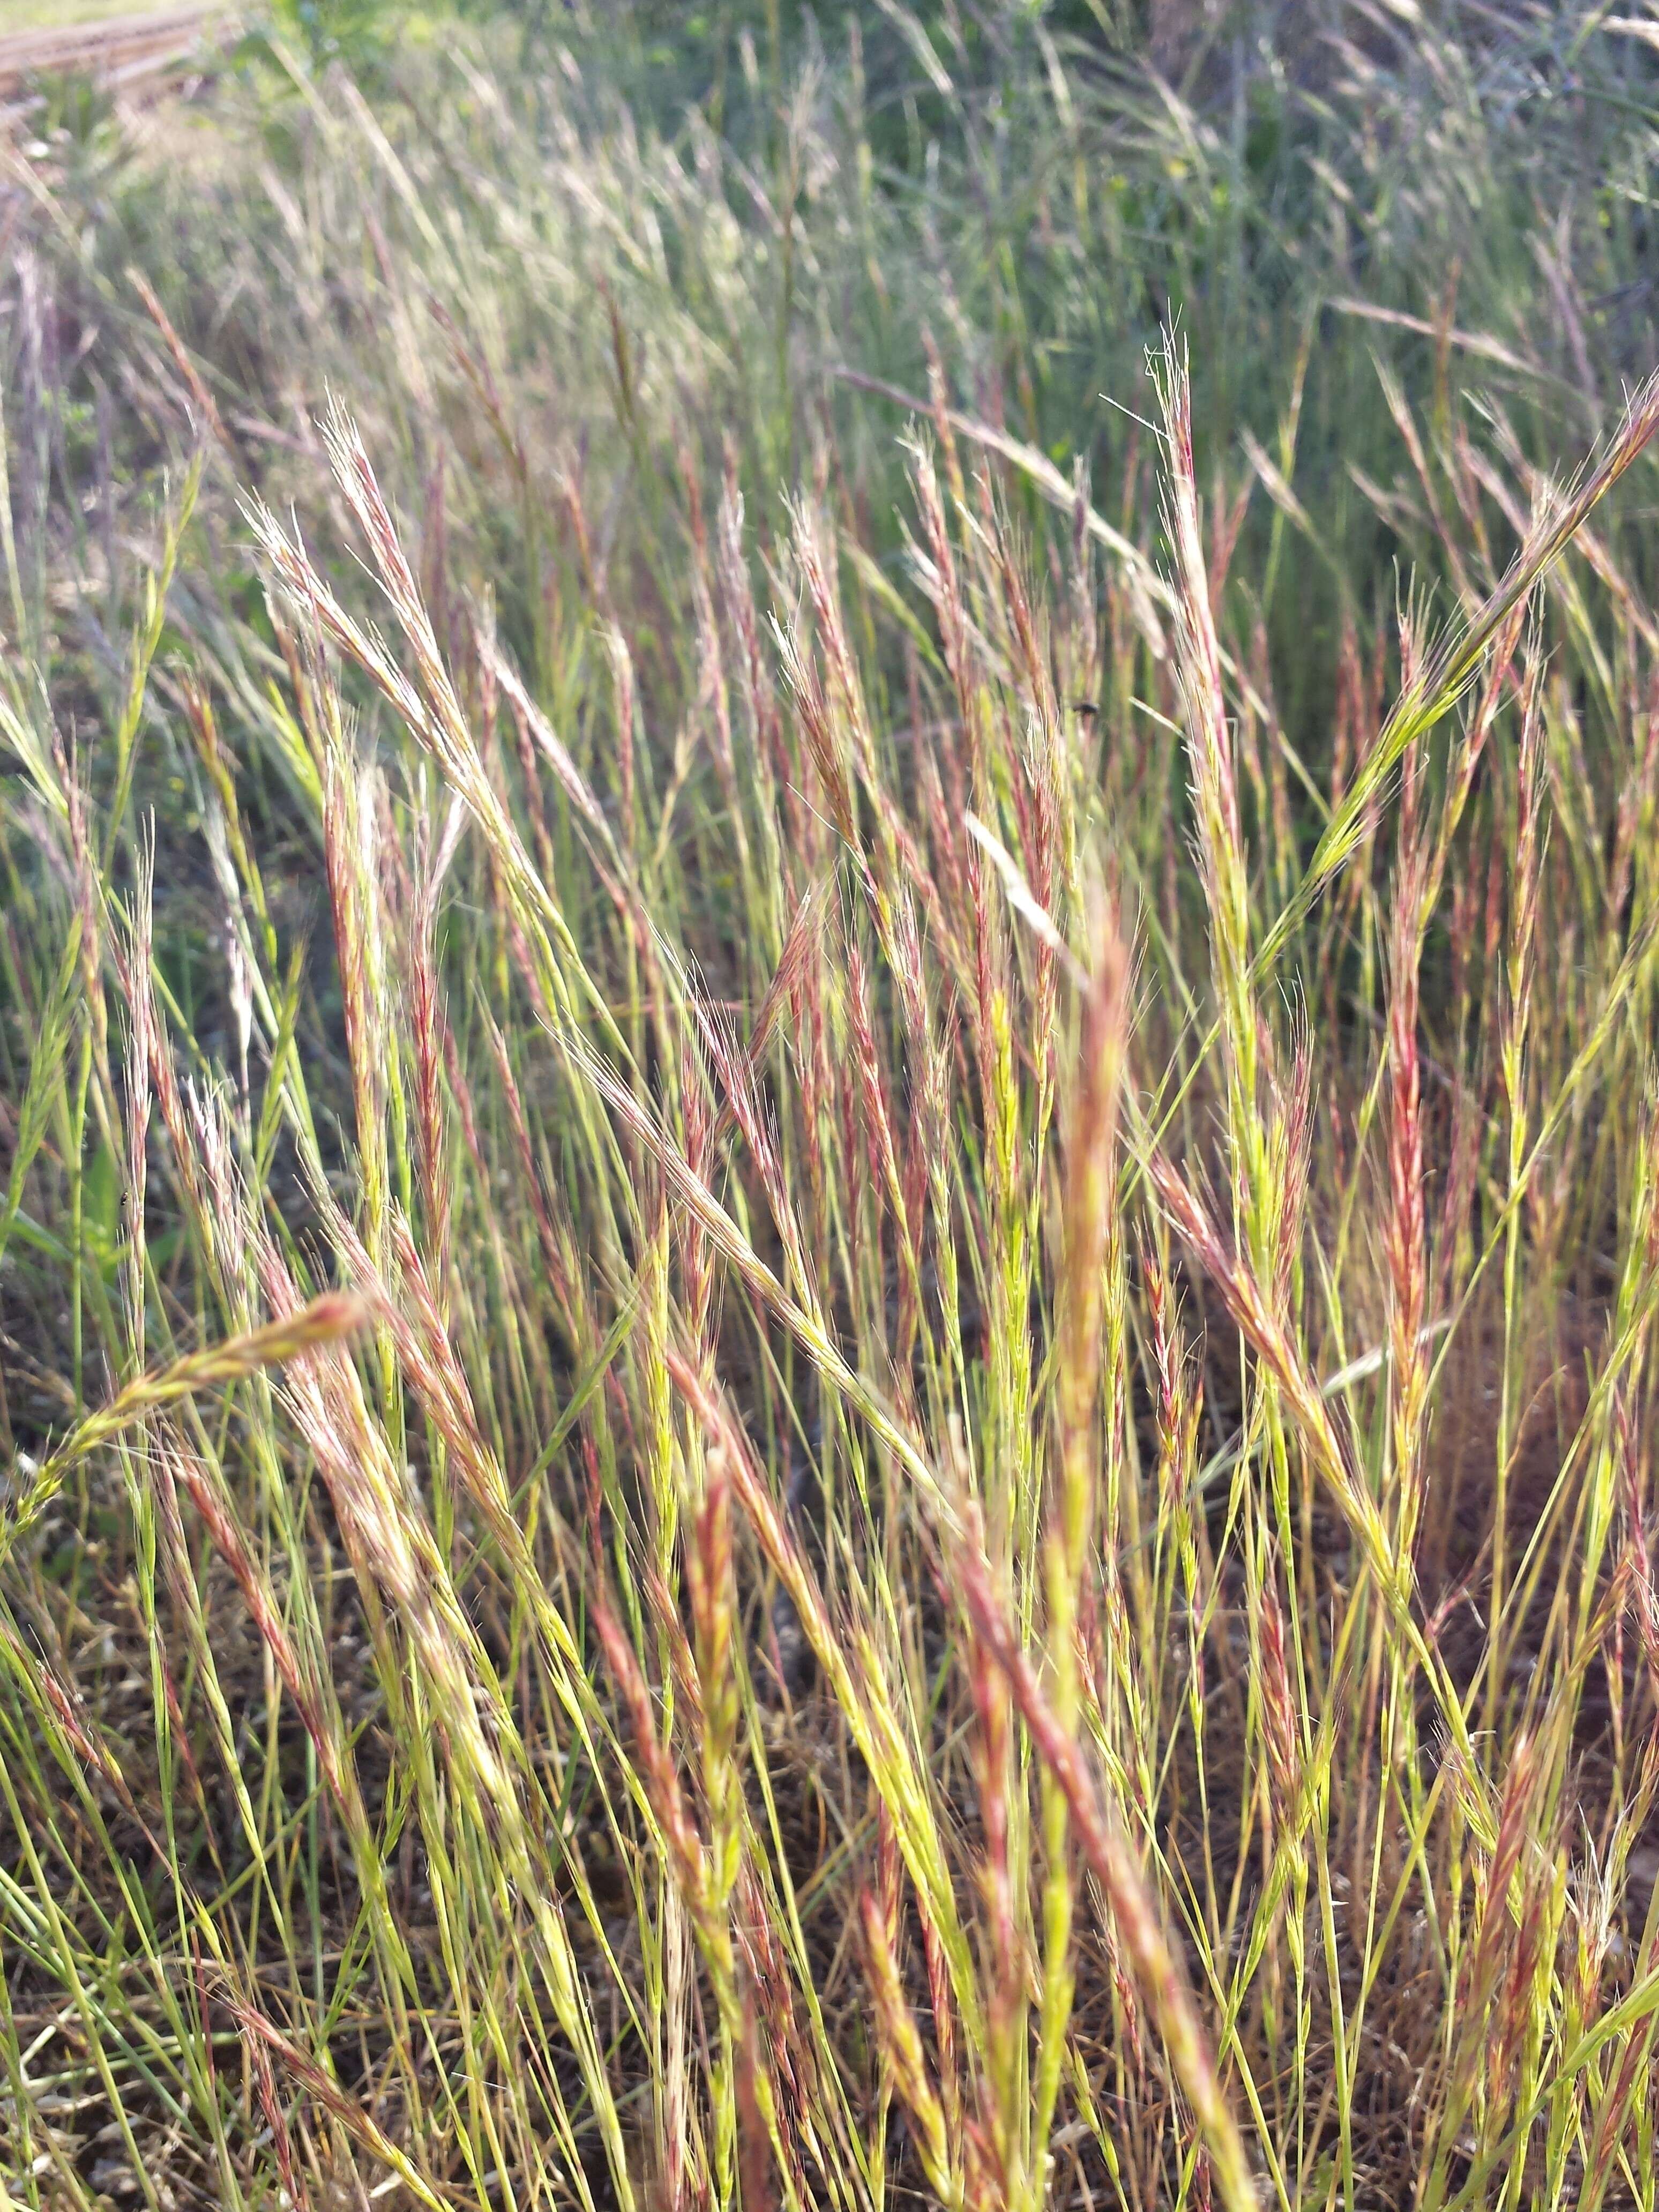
{"type": "Point", "coordinates": [829, 1144]}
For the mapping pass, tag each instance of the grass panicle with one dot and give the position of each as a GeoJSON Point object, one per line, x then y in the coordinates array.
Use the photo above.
{"type": "Point", "coordinates": [830, 1175]}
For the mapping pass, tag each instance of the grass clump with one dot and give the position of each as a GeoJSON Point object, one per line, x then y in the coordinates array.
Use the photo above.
{"type": "Point", "coordinates": [831, 1183]}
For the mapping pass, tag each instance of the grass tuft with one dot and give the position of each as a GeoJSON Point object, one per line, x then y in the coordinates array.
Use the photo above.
{"type": "Point", "coordinates": [829, 1141]}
